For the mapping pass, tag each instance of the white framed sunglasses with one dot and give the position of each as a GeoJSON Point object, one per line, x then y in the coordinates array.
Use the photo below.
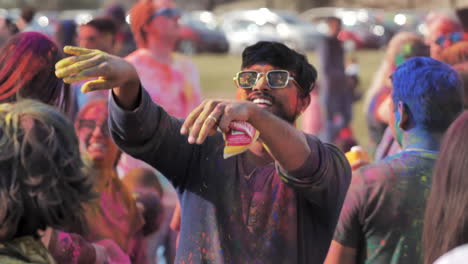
{"type": "Point", "coordinates": [275, 78]}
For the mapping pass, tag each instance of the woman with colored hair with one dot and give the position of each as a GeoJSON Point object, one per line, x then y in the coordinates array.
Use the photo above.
{"type": "Point", "coordinates": [43, 183]}
{"type": "Point", "coordinates": [114, 215]}
{"type": "Point", "coordinates": [446, 219]}
{"type": "Point", "coordinates": [27, 70]}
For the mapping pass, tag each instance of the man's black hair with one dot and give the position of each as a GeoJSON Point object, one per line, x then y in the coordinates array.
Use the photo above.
{"type": "Point", "coordinates": [103, 25]}
{"type": "Point", "coordinates": [279, 55]}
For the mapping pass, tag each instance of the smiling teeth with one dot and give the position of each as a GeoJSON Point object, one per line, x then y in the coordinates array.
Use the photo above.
{"type": "Point", "coordinates": [97, 145]}
{"type": "Point", "coordinates": [261, 101]}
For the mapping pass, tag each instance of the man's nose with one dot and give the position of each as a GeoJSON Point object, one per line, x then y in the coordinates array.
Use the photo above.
{"type": "Point", "coordinates": [99, 132]}
{"type": "Point", "coordinates": [262, 84]}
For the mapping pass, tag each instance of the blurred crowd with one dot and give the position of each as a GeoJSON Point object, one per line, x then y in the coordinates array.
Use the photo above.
{"type": "Point", "coordinates": [75, 189]}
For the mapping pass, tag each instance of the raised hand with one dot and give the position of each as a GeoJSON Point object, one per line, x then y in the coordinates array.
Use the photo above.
{"type": "Point", "coordinates": [204, 120]}
{"type": "Point", "coordinates": [110, 70]}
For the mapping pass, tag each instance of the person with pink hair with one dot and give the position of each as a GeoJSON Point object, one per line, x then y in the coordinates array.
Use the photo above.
{"type": "Point", "coordinates": [439, 30]}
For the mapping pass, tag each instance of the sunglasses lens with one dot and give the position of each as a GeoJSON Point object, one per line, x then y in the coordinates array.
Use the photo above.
{"type": "Point", "coordinates": [247, 79]}
{"type": "Point", "coordinates": [175, 12]}
{"type": "Point", "coordinates": [171, 12]}
{"type": "Point", "coordinates": [278, 79]}
{"type": "Point", "coordinates": [167, 12]}
{"type": "Point", "coordinates": [455, 37]}
{"type": "Point", "coordinates": [440, 40]}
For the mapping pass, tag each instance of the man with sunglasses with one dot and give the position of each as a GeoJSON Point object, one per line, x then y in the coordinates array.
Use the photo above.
{"type": "Point", "coordinates": [278, 202]}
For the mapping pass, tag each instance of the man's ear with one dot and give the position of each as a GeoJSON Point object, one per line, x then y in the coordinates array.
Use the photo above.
{"type": "Point", "coordinates": [144, 28]}
{"type": "Point", "coordinates": [304, 103]}
{"type": "Point", "coordinates": [403, 110]}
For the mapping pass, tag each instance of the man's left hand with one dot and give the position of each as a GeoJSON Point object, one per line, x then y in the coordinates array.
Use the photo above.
{"type": "Point", "coordinates": [111, 71]}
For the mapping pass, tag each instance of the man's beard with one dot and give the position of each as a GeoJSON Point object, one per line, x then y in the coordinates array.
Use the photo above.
{"type": "Point", "coordinates": [290, 119]}
{"type": "Point", "coordinates": [276, 108]}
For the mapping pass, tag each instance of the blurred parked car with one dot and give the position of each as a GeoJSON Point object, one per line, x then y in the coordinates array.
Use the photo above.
{"type": "Point", "coordinates": [298, 33]}
{"type": "Point", "coordinates": [246, 27]}
{"type": "Point", "coordinates": [412, 20]}
{"type": "Point", "coordinates": [243, 30]}
{"type": "Point", "coordinates": [199, 32]}
{"type": "Point", "coordinates": [361, 27]}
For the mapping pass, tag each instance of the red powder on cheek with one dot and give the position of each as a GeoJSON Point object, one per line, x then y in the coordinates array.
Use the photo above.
{"type": "Point", "coordinates": [241, 94]}
{"type": "Point", "coordinates": [98, 112]}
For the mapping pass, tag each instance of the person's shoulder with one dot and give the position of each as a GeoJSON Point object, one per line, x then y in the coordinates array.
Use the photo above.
{"type": "Point", "coordinates": [375, 173]}
{"type": "Point", "coordinates": [137, 55]}
{"type": "Point", "coordinates": [410, 160]}
{"type": "Point", "coordinates": [390, 169]}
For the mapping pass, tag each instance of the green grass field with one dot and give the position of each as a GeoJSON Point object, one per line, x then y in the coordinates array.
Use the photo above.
{"type": "Point", "coordinates": [216, 72]}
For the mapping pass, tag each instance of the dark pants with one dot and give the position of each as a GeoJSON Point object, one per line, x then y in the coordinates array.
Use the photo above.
{"type": "Point", "coordinates": [336, 102]}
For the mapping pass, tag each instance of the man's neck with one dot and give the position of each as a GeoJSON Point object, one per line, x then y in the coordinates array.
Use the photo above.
{"type": "Point", "coordinates": [161, 51]}
{"type": "Point", "coordinates": [418, 138]}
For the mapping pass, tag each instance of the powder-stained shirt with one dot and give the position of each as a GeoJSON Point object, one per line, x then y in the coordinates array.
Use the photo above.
{"type": "Point", "coordinates": [175, 86]}
{"type": "Point", "coordinates": [114, 215]}
{"type": "Point", "coordinates": [383, 213]}
{"type": "Point", "coordinates": [230, 215]}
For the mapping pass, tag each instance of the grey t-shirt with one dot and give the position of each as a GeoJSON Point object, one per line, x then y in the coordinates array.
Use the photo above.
{"type": "Point", "coordinates": [233, 216]}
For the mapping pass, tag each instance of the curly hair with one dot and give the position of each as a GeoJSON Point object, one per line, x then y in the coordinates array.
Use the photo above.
{"type": "Point", "coordinates": [44, 181]}
{"type": "Point", "coordinates": [27, 70]}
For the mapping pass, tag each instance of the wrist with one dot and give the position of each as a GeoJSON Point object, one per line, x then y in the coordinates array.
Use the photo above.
{"type": "Point", "coordinates": [127, 95]}
{"type": "Point", "coordinates": [254, 113]}
{"type": "Point", "coordinates": [132, 79]}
